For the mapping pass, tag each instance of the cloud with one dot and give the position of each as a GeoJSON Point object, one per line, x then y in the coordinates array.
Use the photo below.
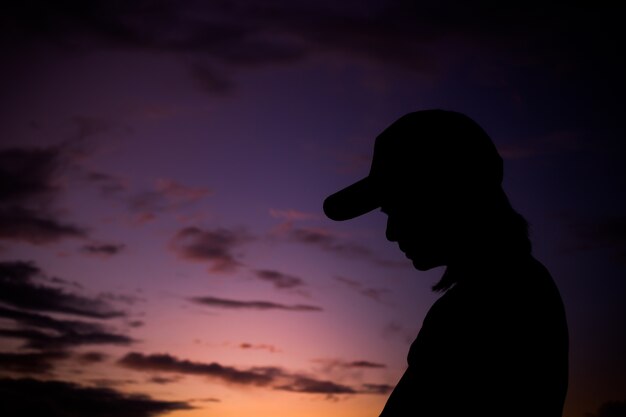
{"type": "Point", "coordinates": [279, 280]}
{"type": "Point", "coordinates": [377, 388]}
{"type": "Point", "coordinates": [270, 377]}
{"type": "Point", "coordinates": [22, 224]}
{"type": "Point", "coordinates": [251, 305]}
{"type": "Point", "coordinates": [329, 242]}
{"type": "Point", "coordinates": [329, 365]}
{"type": "Point", "coordinates": [18, 288]}
{"type": "Point", "coordinates": [269, 348]}
{"type": "Point", "coordinates": [610, 409]}
{"type": "Point", "coordinates": [292, 215]}
{"type": "Point", "coordinates": [162, 380]}
{"type": "Point", "coordinates": [103, 249]}
{"type": "Point", "coordinates": [40, 363]}
{"type": "Point", "coordinates": [31, 397]}
{"type": "Point", "coordinates": [375, 294]}
{"type": "Point", "coordinates": [308, 385]}
{"type": "Point", "coordinates": [91, 357]}
{"type": "Point", "coordinates": [108, 184]}
{"type": "Point", "coordinates": [167, 195]}
{"type": "Point", "coordinates": [399, 33]}
{"type": "Point", "coordinates": [29, 183]}
{"type": "Point", "coordinates": [46, 333]}
{"type": "Point", "coordinates": [168, 363]}
{"type": "Point", "coordinates": [215, 246]}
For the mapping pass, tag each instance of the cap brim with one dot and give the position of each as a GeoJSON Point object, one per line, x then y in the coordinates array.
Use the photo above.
{"type": "Point", "coordinates": [353, 201]}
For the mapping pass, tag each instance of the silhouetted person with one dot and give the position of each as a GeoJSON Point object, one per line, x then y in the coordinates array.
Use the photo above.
{"type": "Point", "coordinates": [495, 343]}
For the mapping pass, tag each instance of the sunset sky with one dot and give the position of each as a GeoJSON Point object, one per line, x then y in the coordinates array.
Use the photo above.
{"type": "Point", "coordinates": [163, 164]}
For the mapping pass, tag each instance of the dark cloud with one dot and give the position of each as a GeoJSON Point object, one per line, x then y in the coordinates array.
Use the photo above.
{"type": "Point", "coordinates": [168, 363]}
{"type": "Point", "coordinates": [308, 385]}
{"type": "Point", "coordinates": [269, 348]}
{"type": "Point", "coordinates": [364, 364]}
{"type": "Point", "coordinates": [29, 173]}
{"type": "Point", "coordinates": [375, 294]}
{"type": "Point", "coordinates": [279, 280]}
{"type": "Point", "coordinates": [271, 377]}
{"type": "Point", "coordinates": [214, 246]}
{"type": "Point", "coordinates": [39, 363]}
{"type": "Point", "coordinates": [103, 249]}
{"type": "Point", "coordinates": [36, 339]}
{"type": "Point", "coordinates": [46, 333]}
{"type": "Point", "coordinates": [330, 364]}
{"type": "Point", "coordinates": [162, 380]}
{"type": "Point", "coordinates": [91, 357]}
{"type": "Point", "coordinates": [328, 241]}
{"type": "Point", "coordinates": [610, 409]}
{"type": "Point", "coordinates": [29, 182]}
{"type": "Point", "coordinates": [19, 288]}
{"type": "Point", "coordinates": [376, 388]}
{"type": "Point", "coordinates": [30, 397]}
{"type": "Point", "coordinates": [108, 184]}
{"type": "Point", "coordinates": [166, 195]}
{"type": "Point", "coordinates": [251, 305]}
{"type": "Point", "coordinates": [22, 224]}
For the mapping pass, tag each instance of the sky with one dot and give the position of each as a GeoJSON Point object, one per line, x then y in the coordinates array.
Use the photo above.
{"type": "Point", "coordinates": [163, 250]}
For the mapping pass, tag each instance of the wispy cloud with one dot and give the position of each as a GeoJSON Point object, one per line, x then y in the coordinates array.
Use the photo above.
{"type": "Point", "coordinates": [19, 288]}
{"type": "Point", "coordinates": [280, 280]}
{"type": "Point", "coordinates": [39, 363]}
{"type": "Point", "coordinates": [292, 215]}
{"type": "Point", "coordinates": [91, 357]}
{"type": "Point", "coordinates": [271, 377]}
{"type": "Point", "coordinates": [250, 305]}
{"type": "Point", "coordinates": [47, 333]}
{"type": "Point", "coordinates": [375, 294]}
{"type": "Point", "coordinates": [22, 224]}
{"type": "Point", "coordinates": [29, 183]}
{"type": "Point", "coordinates": [215, 246]}
{"type": "Point", "coordinates": [330, 365]}
{"type": "Point", "coordinates": [108, 184]}
{"type": "Point", "coordinates": [166, 196]}
{"type": "Point", "coordinates": [169, 363]}
{"type": "Point", "coordinates": [104, 250]}
{"type": "Point", "coordinates": [262, 346]}
{"type": "Point", "coordinates": [56, 398]}
{"type": "Point", "coordinates": [330, 242]}
{"type": "Point", "coordinates": [398, 34]}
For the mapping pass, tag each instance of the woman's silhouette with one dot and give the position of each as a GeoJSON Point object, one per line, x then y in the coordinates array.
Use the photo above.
{"type": "Point", "coordinates": [495, 343]}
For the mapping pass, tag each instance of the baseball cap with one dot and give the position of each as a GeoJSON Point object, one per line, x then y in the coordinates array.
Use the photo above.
{"type": "Point", "coordinates": [419, 153]}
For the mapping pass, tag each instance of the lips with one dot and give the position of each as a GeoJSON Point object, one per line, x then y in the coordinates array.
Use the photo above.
{"type": "Point", "coordinates": [405, 250]}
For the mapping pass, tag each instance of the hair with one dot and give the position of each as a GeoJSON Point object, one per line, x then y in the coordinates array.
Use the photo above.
{"type": "Point", "coordinates": [504, 231]}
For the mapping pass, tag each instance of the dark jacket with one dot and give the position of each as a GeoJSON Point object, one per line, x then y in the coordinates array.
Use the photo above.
{"type": "Point", "coordinates": [495, 344]}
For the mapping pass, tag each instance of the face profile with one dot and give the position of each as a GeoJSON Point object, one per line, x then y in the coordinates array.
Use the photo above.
{"type": "Point", "coordinates": [437, 176]}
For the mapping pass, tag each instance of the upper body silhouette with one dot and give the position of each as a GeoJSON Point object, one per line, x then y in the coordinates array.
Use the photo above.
{"type": "Point", "coordinates": [496, 342]}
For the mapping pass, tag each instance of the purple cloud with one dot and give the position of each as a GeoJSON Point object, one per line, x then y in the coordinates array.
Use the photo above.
{"type": "Point", "coordinates": [102, 249]}
{"type": "Point", "coordinates": [57, 398]}
{"type": "Point", "coordinates": [270, 377]}
{"type": "Point", "coordinates": [19, 288]}
{"type": "Point", "coordinates": [251, 305]}
{"type": "Point", "coordinates": [280, 280]}
{"type": "Point", "coordinates": [214, 246]}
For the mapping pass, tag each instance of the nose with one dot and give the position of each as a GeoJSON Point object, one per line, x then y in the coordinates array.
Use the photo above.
{"type": "Point", "coordinates": [392, 229]}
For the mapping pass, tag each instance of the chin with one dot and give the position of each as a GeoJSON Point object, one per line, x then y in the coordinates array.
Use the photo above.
{"type": "Point", "coordinates": [425, 265]}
